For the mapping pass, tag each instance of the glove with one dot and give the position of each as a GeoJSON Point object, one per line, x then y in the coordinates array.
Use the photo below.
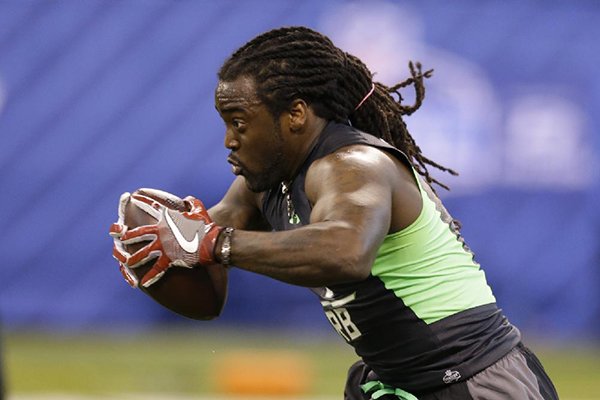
{"type": "Point", "coordinates": [119, 252]}
{"type": "Point", "coordinates": [184, 235]}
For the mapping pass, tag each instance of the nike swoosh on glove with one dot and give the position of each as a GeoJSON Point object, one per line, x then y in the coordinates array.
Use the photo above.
{"type": "Point", "coordinates": [179, 238]}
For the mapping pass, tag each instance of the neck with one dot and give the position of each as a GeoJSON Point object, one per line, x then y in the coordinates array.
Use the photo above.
{"type": "Point", "coordinates": [303, 146]}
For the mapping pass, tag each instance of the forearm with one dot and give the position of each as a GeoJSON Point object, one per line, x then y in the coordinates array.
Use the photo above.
{"type": "Point", "coordinates": [315, 255]}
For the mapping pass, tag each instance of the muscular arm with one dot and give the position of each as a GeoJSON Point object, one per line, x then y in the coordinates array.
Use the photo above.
{"type": "Point", "coordinates": [352, 193]}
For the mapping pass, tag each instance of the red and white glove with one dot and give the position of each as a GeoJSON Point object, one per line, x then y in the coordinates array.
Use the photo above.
{"type": "Point", "coordinates": [116, 231]}
{"type": "Point", "coordinates": [179, 238]}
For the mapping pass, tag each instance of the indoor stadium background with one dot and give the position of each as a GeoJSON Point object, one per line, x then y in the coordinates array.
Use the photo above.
{"type": "Point", "coordinates": [101, 97]}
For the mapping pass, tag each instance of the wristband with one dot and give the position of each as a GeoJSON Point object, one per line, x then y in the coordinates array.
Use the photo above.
{"type": "Point", "coordinates": [225, 253]}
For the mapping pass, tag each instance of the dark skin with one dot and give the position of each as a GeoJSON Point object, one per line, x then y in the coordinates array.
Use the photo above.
{"type": "Point", "coordinates": [358, 194]}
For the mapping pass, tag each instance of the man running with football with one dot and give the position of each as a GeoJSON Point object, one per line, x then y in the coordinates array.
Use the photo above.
{"type": "Point", "coordinates": [333, 193]}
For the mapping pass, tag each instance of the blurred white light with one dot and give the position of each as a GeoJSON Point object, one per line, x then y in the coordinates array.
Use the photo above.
{"type": "Point", "coordinates": [545, 142]}
{"type": "Point", "coordinates": [384, 35]}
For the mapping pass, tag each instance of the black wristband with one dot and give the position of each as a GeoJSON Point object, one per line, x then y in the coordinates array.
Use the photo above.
{"type": "Point", "coordinates": [225, 252]}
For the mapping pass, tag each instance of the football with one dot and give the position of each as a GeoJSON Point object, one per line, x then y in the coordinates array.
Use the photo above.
{"type": "Point", "coordinates": [198, 293]}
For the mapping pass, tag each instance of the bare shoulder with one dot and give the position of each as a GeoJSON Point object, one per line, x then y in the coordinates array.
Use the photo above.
{"type": "Point", "coordinates": [366, 176]}
{"type": "Point", "coordinates": [351, 166]}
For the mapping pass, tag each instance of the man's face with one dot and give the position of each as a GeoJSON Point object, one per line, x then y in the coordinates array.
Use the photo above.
{"type": "Point", "coordinates": [252, 134]}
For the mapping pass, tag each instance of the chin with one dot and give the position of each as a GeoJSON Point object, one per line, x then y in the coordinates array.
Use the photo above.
{"type": "Point", "coordinates": [257, 188]}
{"type": "Point", "coordinates": [260, 185]}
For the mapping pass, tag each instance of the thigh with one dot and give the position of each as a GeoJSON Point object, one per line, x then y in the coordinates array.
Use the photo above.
{"type": "Point", "coordinates": [546, 387]}
{"type": "Point", "coordinates": [518, 375]}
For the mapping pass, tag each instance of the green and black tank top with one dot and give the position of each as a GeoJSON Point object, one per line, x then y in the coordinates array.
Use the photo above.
{"type": "Point", "coordinates": [425, 317]}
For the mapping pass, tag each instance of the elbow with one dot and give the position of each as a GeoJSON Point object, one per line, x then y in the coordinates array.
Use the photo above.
{"type": "Point", "coordinates": [354, 266]}
{"type": "Point", "coordinates": [359, 272]}
{"type": "Point", "coordinates": [352, 258]}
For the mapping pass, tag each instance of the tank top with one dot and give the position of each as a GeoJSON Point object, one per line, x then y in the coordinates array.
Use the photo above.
{"type": "Point", "coordinates": [425, 317]}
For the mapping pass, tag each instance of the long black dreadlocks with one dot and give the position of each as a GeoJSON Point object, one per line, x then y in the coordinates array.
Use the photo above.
{"type": "Point", "coordinates": [297, 62]}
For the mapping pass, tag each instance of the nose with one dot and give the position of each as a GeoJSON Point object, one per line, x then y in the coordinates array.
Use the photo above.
{"type": "Point", "coordinates": [231, 142]}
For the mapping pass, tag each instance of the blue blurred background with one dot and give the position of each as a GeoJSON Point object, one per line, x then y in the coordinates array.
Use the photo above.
{"type": "Point", "coordinates": [100, 97]}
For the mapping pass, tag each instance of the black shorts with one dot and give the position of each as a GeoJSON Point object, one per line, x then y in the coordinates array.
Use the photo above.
{"type": "Point", "coordinates": [517, 375]}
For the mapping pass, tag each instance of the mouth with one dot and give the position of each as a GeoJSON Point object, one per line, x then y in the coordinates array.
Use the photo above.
{"type": "Point", "coordinates": [236, 168]}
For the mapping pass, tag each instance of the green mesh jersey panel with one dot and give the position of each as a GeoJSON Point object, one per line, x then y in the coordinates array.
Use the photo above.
{"type": "Point", "coordinates": [429, 267]}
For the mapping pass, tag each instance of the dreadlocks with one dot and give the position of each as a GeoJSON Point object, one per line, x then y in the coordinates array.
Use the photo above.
{"type": "Point", "coordinates": [297, 62]}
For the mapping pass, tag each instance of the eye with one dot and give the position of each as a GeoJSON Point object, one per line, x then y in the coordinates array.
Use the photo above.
{"type": "Point", "coordinates": [238, 124]}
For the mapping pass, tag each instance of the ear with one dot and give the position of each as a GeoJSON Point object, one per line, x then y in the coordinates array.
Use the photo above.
{"type": "Point", "coordinates": [298, 115]}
